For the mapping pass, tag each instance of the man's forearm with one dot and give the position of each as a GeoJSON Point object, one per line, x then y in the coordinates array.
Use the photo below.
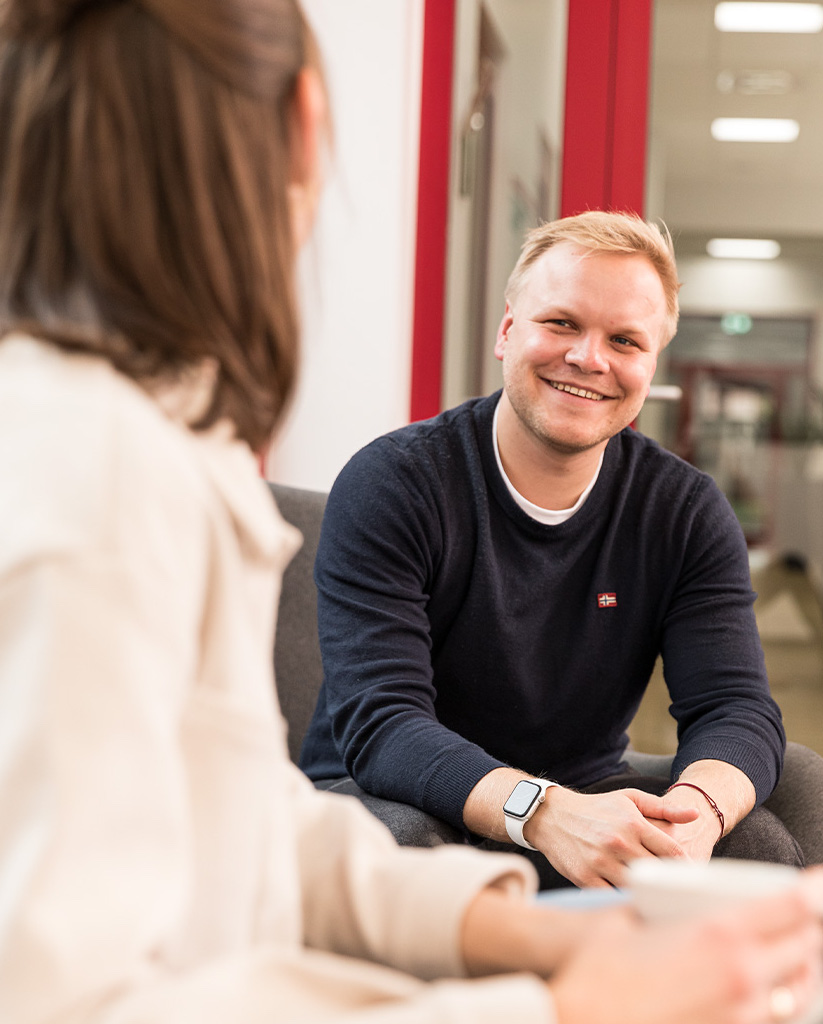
{"type": "Point", "coordinates": [483, 810]}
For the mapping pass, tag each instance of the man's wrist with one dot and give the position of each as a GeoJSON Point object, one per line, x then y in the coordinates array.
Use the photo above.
{"type": "Point", "coordinates": [730, 787]}
{"type": "Point", "coordinates": [709, 801]}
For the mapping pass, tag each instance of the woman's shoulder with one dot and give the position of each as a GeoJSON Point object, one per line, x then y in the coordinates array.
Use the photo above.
{"type": "Point", "coordinates": [82, 447]}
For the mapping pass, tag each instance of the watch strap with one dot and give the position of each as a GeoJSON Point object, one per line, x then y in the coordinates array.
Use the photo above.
{"type": "Point", "coordinates": [514, 826]}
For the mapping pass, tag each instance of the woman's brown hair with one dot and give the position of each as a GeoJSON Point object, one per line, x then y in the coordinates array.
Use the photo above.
{"type": "Point", "coordinates": [145, 160]}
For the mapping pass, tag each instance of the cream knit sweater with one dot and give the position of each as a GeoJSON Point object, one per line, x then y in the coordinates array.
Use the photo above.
{"type": "Point", "coordinates": [161, 860]}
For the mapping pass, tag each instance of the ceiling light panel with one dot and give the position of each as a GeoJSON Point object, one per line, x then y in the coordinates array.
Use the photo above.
{"type": "Point", "coordinates": [768, 17]}
{"type": "Point", "coordinates": [743, 248]}
{"type": "Point", "coordinates": [754, 129]}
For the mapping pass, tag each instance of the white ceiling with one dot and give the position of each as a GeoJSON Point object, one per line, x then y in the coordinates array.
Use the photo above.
{"type": "Point", "coordinates": [702, 187]}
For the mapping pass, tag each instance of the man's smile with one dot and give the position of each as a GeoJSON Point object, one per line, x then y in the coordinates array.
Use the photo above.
{"type": "Point", "coordinates": [571, 390]}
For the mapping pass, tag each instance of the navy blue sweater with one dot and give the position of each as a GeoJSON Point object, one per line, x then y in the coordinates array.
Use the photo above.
{"type": "Point", "coordinates": [458, 634]}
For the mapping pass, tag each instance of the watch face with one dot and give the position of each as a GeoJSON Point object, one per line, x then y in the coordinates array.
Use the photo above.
{"type": "Point", "coordinates": [522, 799]}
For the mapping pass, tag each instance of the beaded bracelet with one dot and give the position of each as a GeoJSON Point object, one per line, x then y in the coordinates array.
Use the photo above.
{"type": "Point", "coordinates": [712, 804]}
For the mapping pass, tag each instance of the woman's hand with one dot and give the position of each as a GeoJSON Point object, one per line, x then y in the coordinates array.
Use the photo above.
{"type": "Point", "coordinates": [720, 969]}
{"type": "Point", "coordinates": [501, 934]}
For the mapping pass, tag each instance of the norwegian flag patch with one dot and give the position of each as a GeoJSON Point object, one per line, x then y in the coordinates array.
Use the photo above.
{"type": "Point", "coordinates": [607, 600]}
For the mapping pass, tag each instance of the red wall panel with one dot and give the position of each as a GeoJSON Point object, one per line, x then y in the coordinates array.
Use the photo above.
{"type": "Point", "coordinates": [588, 116]}
{"type": "Point", "coordinates": [432, 209]}
{"type": "Point", "coordinates": [606, 119]}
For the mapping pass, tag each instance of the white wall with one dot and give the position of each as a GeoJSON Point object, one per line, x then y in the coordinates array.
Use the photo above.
{"type": "Point", "coordinates": [357, 275]}
{"type": "Point", "coordinates": [745, 208]}
{"type": "Point", "coordinates": [784, 286]}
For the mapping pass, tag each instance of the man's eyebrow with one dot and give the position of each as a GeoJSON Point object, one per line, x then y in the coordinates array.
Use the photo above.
{"type": "Point", "coordinates": [630, 330]}
{"type": "Point", "coordinates": [557, 312]}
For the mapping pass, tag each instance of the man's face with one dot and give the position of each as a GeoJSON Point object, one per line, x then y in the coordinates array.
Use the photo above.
{"type": "Point", "coordinates": [579, 345]}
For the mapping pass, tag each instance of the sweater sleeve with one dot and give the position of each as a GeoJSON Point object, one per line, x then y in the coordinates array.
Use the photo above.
{"type": "Point", "coordinates": [381, 926]}
{"type": "Point", "coordinates": [380, 547]}
{"type": "Point", "coordinates": [712, 657]}
{"type": "Point", "coordinates": [365, 896]}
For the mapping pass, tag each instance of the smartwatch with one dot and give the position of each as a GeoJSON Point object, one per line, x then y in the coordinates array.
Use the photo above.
{"type": "Point", "coordinates": [523, 801]}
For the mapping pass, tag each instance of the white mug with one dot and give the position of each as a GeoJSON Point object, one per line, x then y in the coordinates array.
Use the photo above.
{"type": "Point", "coordinates": [668, 889]}
{"type": "Point", "coordinates": [664, 889]}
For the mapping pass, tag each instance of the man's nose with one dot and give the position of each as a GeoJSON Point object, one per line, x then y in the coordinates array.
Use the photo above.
{"type": "Point", "coordinates": [589, 353]}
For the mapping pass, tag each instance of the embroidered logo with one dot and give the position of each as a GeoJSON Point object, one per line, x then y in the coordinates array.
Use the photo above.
{"type": "Point", "coordinates": [607, 600]}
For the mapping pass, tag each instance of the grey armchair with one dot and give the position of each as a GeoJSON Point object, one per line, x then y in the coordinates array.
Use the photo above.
{"type": "Point", "coordinates": [299, 670]}
{"type": "Point", "coordinates": [797, 800]}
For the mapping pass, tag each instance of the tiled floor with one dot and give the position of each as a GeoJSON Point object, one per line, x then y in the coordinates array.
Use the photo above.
{"type": "Point", "coordinates": [791, 624]}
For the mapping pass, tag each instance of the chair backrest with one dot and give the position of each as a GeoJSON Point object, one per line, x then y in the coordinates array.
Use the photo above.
{"type": "Point", "coordinates": [297, 665]}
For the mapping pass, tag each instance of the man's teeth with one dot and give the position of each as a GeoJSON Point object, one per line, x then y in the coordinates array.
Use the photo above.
{"type": "Point", "coordinates": [576, 391]}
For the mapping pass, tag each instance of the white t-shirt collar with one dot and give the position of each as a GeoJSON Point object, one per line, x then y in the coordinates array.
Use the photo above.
{"type": "Point", "coordinates": [547, 516]}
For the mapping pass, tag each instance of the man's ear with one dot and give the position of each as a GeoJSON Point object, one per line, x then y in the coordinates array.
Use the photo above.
{"type": "Point", "coordinates": [310, 119]}
{"type": "Point", "coordinates": [503, 331]}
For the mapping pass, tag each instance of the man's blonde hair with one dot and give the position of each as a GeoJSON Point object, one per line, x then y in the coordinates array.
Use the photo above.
{"type": "Point", "coordinates": [601, 231]}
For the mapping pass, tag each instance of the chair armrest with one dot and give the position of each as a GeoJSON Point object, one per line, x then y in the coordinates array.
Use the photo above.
{"type": "Point", "coordinates": [658, 765]}
{"type": "Point", "coordinates": [796, 799]}
{"type": "Point", "coordinates": [409, 825]}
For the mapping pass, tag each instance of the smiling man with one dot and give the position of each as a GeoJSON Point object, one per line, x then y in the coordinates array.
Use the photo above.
{"type": "Point", "coordinates": [496, 584]}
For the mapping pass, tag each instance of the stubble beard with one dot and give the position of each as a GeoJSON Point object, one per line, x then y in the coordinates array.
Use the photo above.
{"type": "Point", "coordinates": [536, 424]}
{"type": "Point", "coordinates": [557, 445]}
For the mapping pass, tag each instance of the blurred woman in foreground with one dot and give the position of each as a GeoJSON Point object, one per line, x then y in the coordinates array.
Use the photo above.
{"type": "Point", "coordinates": [160, 858]}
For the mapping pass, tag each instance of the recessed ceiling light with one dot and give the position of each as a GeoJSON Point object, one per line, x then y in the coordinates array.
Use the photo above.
{"type": "Point", "coordinates": [768, 17]}
{"type": "Point", "coordinates": [755, 129]}
{"type": "Point", "coordinates": [743, 248]}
